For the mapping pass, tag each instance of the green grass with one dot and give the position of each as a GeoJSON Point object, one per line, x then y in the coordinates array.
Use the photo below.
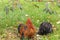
{"type": "Point", "coordinates": [36, 14]}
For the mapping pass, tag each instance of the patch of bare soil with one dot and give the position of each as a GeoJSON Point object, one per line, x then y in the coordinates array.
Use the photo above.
{"type": "Point", "coordinates": [9, 34]}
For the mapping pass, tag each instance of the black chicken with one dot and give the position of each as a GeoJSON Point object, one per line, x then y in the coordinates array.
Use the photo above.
{"type": "Point", "coordinates": [45, 28]}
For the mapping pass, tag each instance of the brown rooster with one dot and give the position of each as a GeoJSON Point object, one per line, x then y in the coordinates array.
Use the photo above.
{"type": "Point", "coordinates": [26, 31]}
{"type": "Point", "coordinates": [31, 29]}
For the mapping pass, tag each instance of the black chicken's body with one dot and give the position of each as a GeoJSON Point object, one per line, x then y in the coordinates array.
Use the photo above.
{"type": "Point", "coordinates": [45, 28]}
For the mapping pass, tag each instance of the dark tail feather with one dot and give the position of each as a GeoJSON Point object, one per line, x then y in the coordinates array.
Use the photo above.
{"type": "Point", "coordinates": [22, 38]}
{"type": "Point", "coordinates": [18, 28]}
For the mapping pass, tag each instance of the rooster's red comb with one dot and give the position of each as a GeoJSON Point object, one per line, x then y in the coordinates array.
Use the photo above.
{"type": "Point", "coordinates": [28, 21]}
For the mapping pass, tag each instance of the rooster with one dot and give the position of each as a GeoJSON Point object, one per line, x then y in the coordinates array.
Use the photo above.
{"type": "Point", "coordinates": [31, 29]}
{"type": "Point", "coordinates": [27, 30]}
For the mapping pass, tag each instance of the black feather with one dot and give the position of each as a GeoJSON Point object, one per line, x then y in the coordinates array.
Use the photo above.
{"type": "Point", "coordinates": [19, 26]}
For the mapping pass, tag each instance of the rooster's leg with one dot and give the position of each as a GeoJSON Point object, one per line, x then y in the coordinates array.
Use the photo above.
{"type": "Point", "coordinates": [28, 38]}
